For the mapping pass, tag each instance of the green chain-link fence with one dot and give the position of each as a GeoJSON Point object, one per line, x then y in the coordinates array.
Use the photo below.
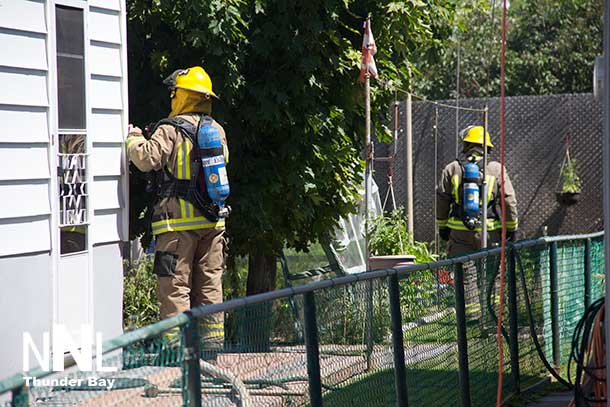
{"type": "Point", "coordinates": [423, 335]}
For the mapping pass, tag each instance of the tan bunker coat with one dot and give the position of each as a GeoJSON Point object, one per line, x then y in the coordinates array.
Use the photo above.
{"type": "Point", "coordinates": [449, 196]}
{"type": "Point", "coordinates": [189, 248]}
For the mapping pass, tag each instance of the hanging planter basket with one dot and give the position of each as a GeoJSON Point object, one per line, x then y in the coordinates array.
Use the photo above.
{"type": "Point", "coordinates": [568, 184]}
{"type": "Point", "coordinates": [567, 198]}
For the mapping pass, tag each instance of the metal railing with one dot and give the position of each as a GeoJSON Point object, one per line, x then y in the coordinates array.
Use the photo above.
{"type": "Point", "coordinates": [420, 335]}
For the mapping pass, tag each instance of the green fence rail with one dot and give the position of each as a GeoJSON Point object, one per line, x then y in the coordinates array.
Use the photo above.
{"type": "Point", "coordinates": [422, 335]}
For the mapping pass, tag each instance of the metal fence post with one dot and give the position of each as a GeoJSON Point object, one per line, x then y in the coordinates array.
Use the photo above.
{"type": "Point", "coordinates": [461, 335]}
{"type": "Point", "coordinates": [191, 368]}
{"type": "Point", "coordinates": [312, 348]}
{"type": "Point", "coordinates": [19, 397]}
{"type": "Point", "coordinates": [554, 304]}
{"type": "Point", "coordinates": [369, 324]}
{"type": "Point", "coordinates": [400, 375]}
{"type": "Point", "coordinates": [513, 320]}
{"type": "Point", "coordinates": [587, 273]}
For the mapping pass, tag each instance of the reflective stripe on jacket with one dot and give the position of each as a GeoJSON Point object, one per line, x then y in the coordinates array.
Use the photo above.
{"type": "Point", "coordinates": [168, 147]}
{"type": "Point", "coordinates": [448, 198]}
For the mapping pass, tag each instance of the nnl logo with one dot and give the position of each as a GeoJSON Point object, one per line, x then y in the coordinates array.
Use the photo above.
{"type": "Point", "coordinates": [62, 340]}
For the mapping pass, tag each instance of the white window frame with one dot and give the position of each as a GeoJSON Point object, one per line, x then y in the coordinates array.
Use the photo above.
{"type": "Point", "coordinates": [54, 132]}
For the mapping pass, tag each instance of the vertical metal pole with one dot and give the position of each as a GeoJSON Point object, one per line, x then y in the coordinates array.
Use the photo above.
{"type": "Point", "coordinates": [192, 381]}
{"type": "Point", "coordinates": [409, 149]}
{"type": "Point", "coordinates": [484, 192]}
{"type": "Point", "coordinates": [368, 189]}
{"type": "Point", "coordinates": [606, 161]}
{"type": "Point", "coordinates": [312, 349]}
{"type": "Point", "coordinates": [554, 304]}
{"type": "Point", "coordinates": [436, 236]}
{"type": "Point", "coordinates": [513, 321]}
{"type": "Point", "coordinates": [368, 147]}
{"type": "Point", "coordinates": [457, 102]}
{"type": "Point", "coordinates": [461, 336]}
{"type": "Point", "coordinates": [484, 232]}
{"type": "Point", "coordinates": [400, 374]}
{"type": "Point", "coordinates": [369, 325]}
{"type": "Point", "coordinates": [587, 273]}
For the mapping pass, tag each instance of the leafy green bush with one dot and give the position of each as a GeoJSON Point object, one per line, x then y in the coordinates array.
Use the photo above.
{"type": "Point", "coordinates": [140, 306]}
{"type": "Point", "coordinates": [388, 235]}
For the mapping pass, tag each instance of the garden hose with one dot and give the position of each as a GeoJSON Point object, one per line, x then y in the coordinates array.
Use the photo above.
{"type": "Point", "coordinates": [530, 316]}
{"type": "Point", "coordinates": [238, 385]}
{"type": "Point", "coordinates": [490, 286]}
{"type": "Point", "coordinates": [152, 390]}
{"type": "Point", "coordinates": [590, 329]}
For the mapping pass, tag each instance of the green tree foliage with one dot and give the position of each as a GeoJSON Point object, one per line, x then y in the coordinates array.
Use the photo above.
{"type": "Point", "coordinates": [286, 73]}
{"type": "Point", "coordinates": [551, 48]}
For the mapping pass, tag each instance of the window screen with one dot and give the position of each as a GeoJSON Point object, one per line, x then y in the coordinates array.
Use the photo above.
{"type": "Point", "coordinates": [70, 67]}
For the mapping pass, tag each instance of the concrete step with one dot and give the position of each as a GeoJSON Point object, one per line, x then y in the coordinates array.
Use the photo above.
{"type": "Point", "coordinates": [559, 399]}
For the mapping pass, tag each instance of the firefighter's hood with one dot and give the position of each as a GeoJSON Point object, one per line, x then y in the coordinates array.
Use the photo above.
{"type": "Point", "coordinates": [185, 101]}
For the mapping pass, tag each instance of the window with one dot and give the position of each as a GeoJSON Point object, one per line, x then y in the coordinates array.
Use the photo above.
{"type": "Point", "coordinates": [70, 67]}
{"type": "Point", "coordinates": [72, 139]}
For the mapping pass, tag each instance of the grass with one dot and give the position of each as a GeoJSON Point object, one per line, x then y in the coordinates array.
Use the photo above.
{"type": "Point", "coordinates": [427, 386]}
{"type": "Point", "coordinates": [434, 381]}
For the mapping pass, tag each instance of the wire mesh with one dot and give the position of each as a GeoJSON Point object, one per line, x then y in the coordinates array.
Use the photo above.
{"type": "Point", "coordinates": [530, 314]}
{"type": "Point", "coordinates": [148, 373]}
{"type": "Point", "coordinates": [355, 344]}
{"type": "Point", "coordinates": [598, 288]}
{"type": "Point", "coordinates": [264, 347]}
{"type": "Point", "coordinates": [264, 359]}
{"type": "Point", "coordinates": [430, 336]}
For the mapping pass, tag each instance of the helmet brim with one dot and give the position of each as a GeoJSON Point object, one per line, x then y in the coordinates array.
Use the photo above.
{"type": "Point", "coordinates": [206, 92]}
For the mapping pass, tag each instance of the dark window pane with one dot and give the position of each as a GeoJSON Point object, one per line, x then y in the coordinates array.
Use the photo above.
{"type": "Point", "coordinates": [71, 92]}
{"type": "Point", "coordinates": [70, 34]}
{"type": "Point", "coordinates": [70, 68]}
{"type": "Point", "coordinates": [73, 239]}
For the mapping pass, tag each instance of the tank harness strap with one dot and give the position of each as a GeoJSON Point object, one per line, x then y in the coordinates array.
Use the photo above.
{"type": "Point", "coordinates": [183, 188]}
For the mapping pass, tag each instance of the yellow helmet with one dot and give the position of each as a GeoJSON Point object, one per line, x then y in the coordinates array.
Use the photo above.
{"type": "Point", "coordinates": [195, 79]}
{"type": "Point", "coordinates": [474, 135]}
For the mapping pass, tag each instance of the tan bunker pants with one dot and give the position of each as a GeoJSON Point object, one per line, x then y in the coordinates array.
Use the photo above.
{"type": "Point", "coordinates": [465, 242]}
{"type": "Point", "coordinates": [189, 266]}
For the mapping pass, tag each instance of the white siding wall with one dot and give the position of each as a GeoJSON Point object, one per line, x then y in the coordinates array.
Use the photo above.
{"type": "Point", "coordinates": [26, 296]}
{"type": "Point", "coordinates": [25, 114]}
{"type": "Point", "coordinates": [107, 91]}
{"type": "Point", "coordinates": [27, 175]}
{"type": "Point", "coordinates": [24, 138]}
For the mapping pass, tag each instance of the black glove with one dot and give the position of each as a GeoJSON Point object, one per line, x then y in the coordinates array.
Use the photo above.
{"type": "Point", "coordinates": [444, 233]}
{"type": "Point", "coordinates": [513, 235]}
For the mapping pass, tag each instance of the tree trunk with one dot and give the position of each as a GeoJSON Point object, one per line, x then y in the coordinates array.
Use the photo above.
{"type": "Point", "coordinates": [262, 271]}
{"type": "Point", "coordinates": [257, 320]}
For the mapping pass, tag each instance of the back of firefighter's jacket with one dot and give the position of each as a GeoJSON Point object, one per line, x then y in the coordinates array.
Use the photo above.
{"type": "Point", "coordinates": [449, 196]}
{"type": "Point", "coordinates": [168, 147]}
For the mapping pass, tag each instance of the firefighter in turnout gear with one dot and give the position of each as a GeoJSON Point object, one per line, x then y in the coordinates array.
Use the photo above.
{"type": "Point", "coordinates": [459, 203]}
{"type": "Point", "coordinates": [189, 232]}
{"type": "Point", "coordinates": [454, 225]}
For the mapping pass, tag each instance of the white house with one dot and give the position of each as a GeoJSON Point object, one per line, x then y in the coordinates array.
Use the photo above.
{"type": "Point", "coordinates": [63, 182]}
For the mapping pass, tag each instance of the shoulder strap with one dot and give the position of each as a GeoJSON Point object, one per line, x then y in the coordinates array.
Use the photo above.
{"type": "Point", "coordinates": [205, 119]}
{"type": "Point", "coordinates": [187, 128]}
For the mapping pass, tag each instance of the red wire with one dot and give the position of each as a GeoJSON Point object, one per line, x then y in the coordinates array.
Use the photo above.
{"type": "Point", "coordinates": [503, 210]}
